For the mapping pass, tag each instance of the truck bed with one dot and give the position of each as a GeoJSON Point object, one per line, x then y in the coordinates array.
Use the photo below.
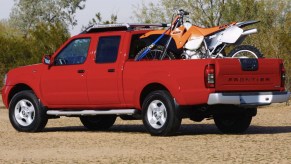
{"type": "Point", "coordinates": [185, 78]}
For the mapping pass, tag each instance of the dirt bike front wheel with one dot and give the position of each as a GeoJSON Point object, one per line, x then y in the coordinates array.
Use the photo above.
{"type": "Point", "coordinates": [245, 51]}
{"type": "Point", "coordinates": [155, 54]}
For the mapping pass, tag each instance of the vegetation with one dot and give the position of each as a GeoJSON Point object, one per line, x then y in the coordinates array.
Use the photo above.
{"type": "Point", "coordinates": [27, 14]}
{"type": "Point", "coordinates": [98, 20]}
{"type": "Point", "coordinates": [37, 27]}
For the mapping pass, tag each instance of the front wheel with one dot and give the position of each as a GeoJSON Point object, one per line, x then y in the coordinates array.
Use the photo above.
{"type": "Point", "coordinates": [245, 51]}
{"type": "Point", "coordinates": [155, 54]}
{"type": "Point", "coordinates": [160, 114]}
{"type": "Point", "coordinates": [26, 112]}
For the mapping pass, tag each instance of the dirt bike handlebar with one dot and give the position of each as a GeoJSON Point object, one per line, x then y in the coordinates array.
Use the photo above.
{"type": "Point", "coordinates": [183, 12]}
{"type": "Point", "coordinates": [178, 20]}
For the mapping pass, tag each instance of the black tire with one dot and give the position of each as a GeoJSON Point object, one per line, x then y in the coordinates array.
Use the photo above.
{"type": "Point", "coordinates": [98, 122]}
{"type": "Point", "coordinates": [234, 123]}
{"type": "Point", "coordinates": [160, 114]}
{"type": "Point", "coordinates": [26, 113]}
{"type": "Point", "coordinates": [155, 54]}
{"type": "Point", "coordinates": [245, 51]}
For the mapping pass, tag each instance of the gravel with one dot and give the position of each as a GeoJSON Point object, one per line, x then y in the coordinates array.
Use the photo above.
{"type": "Point", "coordinates": [65, 140]}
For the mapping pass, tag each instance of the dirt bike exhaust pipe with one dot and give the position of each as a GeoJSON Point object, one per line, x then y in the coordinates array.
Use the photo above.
{"type": "Point", "coordinates": [251, 31]}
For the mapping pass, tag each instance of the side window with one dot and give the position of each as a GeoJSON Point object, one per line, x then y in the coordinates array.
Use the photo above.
{"type": "Point", "coordinates": [74, 53]}
{"type": "Point", "coordinates": [107, 49]}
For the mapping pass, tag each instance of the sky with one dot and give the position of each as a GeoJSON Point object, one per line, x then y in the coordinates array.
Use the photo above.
{"type": "Point", "coordinates": [123, 9]}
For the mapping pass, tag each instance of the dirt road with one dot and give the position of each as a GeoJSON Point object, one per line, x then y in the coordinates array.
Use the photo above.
{"type": "Point", "coordinates": [65, 140]}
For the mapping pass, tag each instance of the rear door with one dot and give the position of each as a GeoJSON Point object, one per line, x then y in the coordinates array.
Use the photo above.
{"type": "Point", "coordinates": [248, 75]}
{"type": "Point", "coordinates": [104, 78]}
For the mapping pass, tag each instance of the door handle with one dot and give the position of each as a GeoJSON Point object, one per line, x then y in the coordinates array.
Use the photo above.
{"type": "Point", "coordinates": [81, 71]}
{"type": "Point", "coordinates": [111, 70]}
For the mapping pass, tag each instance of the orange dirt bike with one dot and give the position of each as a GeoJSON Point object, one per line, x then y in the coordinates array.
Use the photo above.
{"type": "Point", "coordinates": [182, 40]}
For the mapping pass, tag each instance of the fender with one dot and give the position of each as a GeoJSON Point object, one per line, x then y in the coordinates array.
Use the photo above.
{"type": "Point", "coordinates": [23, 83]}
{"type": "Point", "coordinates": [180, 37]}
{"type": "Point", "coordinates": [29, 76]}
{"type": "Point", "coordinates": [155, 32]}
{"type": "Point", "coordinates": [162, 78]}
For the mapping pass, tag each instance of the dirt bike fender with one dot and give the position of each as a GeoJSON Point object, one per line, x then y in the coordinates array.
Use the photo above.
{"type": "Point", "coordinates": [155, 32]}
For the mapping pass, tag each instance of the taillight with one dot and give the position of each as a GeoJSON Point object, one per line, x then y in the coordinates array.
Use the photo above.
{"type": "Point", "coordinates": [283, 75]}
{"type": "Point", "coordinates": [209, 76]}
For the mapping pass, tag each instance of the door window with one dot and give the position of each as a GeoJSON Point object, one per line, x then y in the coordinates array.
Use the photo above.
{"type": "Point", "coordinates": [107, 49]}
{"type": "Point", "coordinates": [74, 53]}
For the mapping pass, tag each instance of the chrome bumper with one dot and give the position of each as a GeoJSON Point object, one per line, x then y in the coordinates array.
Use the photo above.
{"type": "Point", "coordinates": [248, 98]}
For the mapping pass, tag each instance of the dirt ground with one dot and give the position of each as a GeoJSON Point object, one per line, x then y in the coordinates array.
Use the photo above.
{"type": "Point", "coordinates": [65, 140]}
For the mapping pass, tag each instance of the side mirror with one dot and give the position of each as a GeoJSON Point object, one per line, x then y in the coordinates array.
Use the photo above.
{"type": "Point", "coordinates": [46, 60]}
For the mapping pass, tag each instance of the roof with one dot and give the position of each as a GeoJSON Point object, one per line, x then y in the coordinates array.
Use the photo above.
{"type": "Point", "coordinates": [121, 27]}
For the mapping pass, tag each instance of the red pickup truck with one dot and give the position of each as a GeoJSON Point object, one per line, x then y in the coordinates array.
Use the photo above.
{"type": "Point", "coordinates": [94, 76]}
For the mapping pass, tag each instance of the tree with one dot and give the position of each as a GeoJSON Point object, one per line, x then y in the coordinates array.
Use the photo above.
{"type": "Point", "coordinates": [203, 12]}
{"type": "Point", "coordinates": [150, 13]}
{"type": "Point", "coordinates": [98, 20]}
{"type": "Point", "coordinates": [15, 50]}
{"type": "Point", "coordinates": [27, 14]}
{"type": "Point", "coordinates": [45, 39]}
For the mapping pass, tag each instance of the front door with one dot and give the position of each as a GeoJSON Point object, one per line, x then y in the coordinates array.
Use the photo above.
{"type": "Point", "coordinates": [64, 83]}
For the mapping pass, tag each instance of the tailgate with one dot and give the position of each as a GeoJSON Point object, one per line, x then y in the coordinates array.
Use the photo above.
{"type": "Point", "coordinates": [248, 75]}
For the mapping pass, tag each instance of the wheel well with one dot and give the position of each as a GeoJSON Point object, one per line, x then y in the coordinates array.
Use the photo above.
{"type": "Point", "coordinates": [17, 88]}
{"type": "Point", "coordinates": [150, 88]}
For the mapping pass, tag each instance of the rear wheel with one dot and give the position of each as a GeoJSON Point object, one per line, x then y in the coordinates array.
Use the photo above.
{"type": "Point", "coordinates": [26, 112]}
{"type": "Point", "coordinates": [245, 51]}
{"type": "Point", "coordinates": [155, 54]}
{"type": "Point", "coordinates": [99, 122]}
{"type": "Point", "coordinates": [160, 115]}
{"type": "Point", "coordinates": [233, 123]}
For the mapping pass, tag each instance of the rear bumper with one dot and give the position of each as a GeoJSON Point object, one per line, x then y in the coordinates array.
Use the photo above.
{"type": "Point", "coordinates": [248, 98]}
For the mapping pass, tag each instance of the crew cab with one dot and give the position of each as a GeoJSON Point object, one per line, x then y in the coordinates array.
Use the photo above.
{"type": "Point", "coordinates": [94, 76]}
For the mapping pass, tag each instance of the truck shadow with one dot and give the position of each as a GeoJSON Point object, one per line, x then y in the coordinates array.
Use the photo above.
{"type": "Point", "coordinates": [252, 130]}
{"type": "Point", "coordinates": [196, 129]}
{"type": "Point", "coordinates": [268, 129]}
